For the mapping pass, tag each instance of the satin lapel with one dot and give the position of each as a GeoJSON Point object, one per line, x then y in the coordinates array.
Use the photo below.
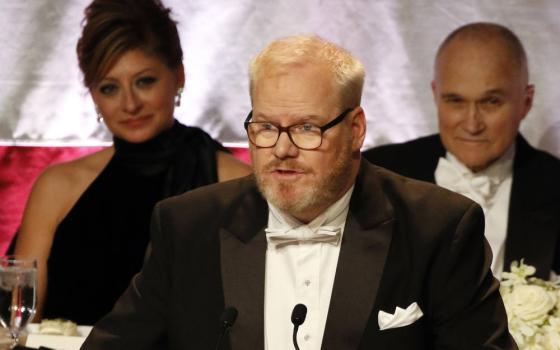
{"type": "Point", "coordinates": [365, 244]}
{"type": "Point", "coordinates": [434, 151]}
{"type": "Point", "coordinates": [360, 267]}
{"type": "Point", "coordinates": [532, 237]}
{"type": "Point", "coordinates": [243, 253]}
{"type": "Point", "coordinates": [532, 226]}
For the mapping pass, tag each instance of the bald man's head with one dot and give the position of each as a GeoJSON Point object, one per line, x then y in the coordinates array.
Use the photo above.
{"type": "Point", "coordinates": [481, 91]}
{"type": "Point", "coordinates": [488, 34]}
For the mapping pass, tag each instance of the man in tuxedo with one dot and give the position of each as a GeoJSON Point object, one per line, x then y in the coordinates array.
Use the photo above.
{"type": "Point", "coordinates": [482, 94]}
{"type": "Point", "coordinates": [315, 225]}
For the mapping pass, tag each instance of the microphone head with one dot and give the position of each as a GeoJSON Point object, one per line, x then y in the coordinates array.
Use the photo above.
{"type": "Point", "coordinates": [228, 316]}
{"type": "Point", "coordinates": [298, 314]}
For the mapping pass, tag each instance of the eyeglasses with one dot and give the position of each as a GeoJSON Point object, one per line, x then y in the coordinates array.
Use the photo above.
{"type": "Point", "coordinates": [305, 136]}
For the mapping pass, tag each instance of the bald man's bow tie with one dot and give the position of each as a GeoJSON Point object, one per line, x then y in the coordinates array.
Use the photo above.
{"type": "Point", "coordinates": [480, 188]}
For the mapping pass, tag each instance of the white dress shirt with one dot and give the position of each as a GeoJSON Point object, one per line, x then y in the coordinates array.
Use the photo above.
{"type": "Point", "coordinates": [301, 272]}
{"type": "Point", "coordinates": [491, 189]}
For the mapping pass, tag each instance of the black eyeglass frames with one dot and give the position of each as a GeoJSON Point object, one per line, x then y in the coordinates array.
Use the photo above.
{"type": "Point", "coordinates": [306, 136]}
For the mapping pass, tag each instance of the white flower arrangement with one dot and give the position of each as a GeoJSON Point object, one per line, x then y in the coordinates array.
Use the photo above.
{"type": "Point", "coordinates": [533, 308]}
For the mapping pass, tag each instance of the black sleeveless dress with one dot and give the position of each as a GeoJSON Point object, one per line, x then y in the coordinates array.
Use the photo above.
{"type": "Point", "coordinates": [102, 242]}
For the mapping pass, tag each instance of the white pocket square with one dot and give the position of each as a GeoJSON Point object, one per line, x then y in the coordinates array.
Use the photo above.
{"type": "Point", "coordinates": [401, 317]}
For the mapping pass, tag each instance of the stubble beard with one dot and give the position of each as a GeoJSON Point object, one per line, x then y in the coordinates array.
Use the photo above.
{"type": "Point", "coordinates": [298, 198]}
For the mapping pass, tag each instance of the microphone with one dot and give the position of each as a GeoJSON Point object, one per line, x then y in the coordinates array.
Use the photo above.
{"type": "Point", "coordinates": [298, 317]}
{"type": "Point", "coordinates": [227, 319]}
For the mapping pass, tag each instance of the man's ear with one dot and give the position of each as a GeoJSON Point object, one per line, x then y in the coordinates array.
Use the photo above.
{"type": "Point", "coordinates": [180, 76]}
{"type": "Point", "coordinates": [528, 99]}
{"type": "Point", "coordinates": [358, 120]}
{"type": "Point", "coordinates": [434, 93]}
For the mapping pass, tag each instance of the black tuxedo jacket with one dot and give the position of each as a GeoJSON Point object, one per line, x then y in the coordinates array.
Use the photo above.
{"type": "Point", "coordinates": [533, 230]}
{"type": "Point", "coordinates": [405, 241]}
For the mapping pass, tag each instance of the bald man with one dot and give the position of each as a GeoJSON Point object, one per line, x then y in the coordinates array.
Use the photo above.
{"type": "Point", "coordinates": [482, 93]}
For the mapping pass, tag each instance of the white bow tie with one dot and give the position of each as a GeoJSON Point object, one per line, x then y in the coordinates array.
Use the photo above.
{"type": "Point", "coordinates": [280, 237]}
{"type": "Point", "coordinates": [479, 188]}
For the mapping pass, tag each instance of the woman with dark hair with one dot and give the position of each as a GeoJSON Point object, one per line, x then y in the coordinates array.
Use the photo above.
{"type": "Point", "coordinates": [87, 221]}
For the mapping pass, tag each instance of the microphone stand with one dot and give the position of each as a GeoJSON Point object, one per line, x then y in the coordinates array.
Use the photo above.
{"type": "Point", "coordinates": [295, 337]}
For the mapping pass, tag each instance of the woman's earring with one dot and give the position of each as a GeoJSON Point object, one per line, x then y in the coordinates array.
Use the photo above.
{"type": "Point", "coordinates": [178, 97]}
{"type": "Point", "coordinates": [99, 115]}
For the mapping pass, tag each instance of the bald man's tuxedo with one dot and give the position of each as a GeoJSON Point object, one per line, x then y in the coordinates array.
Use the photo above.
{"type": "Point", "coordinates": [404, 241]}
{"type": "Point", "coordinates": [533, 228]}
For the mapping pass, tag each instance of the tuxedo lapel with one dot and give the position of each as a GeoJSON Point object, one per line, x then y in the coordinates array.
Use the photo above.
{"type": "Point", "coordinates": [243, 253]}
{"type": "Point", "coordinates": [532, 228]}
{"type": "Point", "coordinates": [433, 150]}
{"type": "Point", "coordinates": [365, 244]}
{"type": "Point", "coordinates": [532, 238]}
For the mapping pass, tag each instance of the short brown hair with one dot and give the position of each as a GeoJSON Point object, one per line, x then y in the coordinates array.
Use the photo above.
{"type": "Point", "coordinates": [112, 27]}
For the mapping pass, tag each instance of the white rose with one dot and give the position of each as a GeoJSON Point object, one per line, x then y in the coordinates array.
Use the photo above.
{"type": "Point", "coordinates": [518, 337]}
{"type": "Point", "coordinates": [551, 338]}
{"type": "Point", "coordinates": [516, 333]}
{"type": "Point", "coordinates": [535, 343]}
{"type": "Point", "coordinates": [529, 303]}
{"type": "Point", "coordinates": [554, 323]}
{"type": "Point", "coordinates": [522, 333]}
{"type": "Point", "coordinates": [557, 310]}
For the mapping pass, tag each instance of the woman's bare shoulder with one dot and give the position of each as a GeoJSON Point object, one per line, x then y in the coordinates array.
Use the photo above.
{"type": "Point", "coordinates": [62, 184]}
{"type": "Point", "coordinates": [230, 167]}
{"type": "Point", "coordinates": [76, 172]}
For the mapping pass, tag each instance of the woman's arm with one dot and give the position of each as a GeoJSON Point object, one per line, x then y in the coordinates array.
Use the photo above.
{"type": "Point", "coordinates": [54, 193]}
{"type": "Point", "coordinates": [41, 217]}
